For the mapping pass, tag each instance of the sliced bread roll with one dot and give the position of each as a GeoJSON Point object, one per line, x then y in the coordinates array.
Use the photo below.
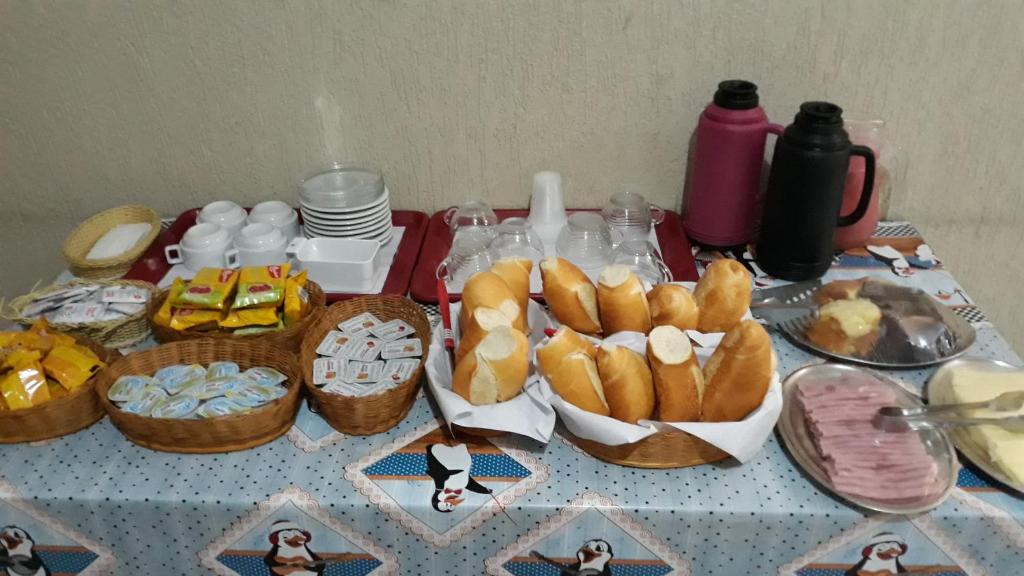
{"type": "Point", "coordinates": [564, 342]}
{"type": "Point", "coordinates": [622, 301]}
{"type": "Point", "coordinates": [481, 321]}
{"type": "Point", "coordinates": [673, 305]}
{"type": "Point", "coordinates": [576, 380]}
{"type": "Point", "coordinates": [738, 374]}
{"type": "Point", "coordinates": [677, 377]}
{"type": "Point", "coordinates": [496, 369]}
{"type": "Point", "coordinates": [488, 290]}
{"type": "Point", "coordinates": [723, 295]}
{"type": "Point", "coordinates": [570, 295]}
{"type": "Point", "coordinates": [626, 379]}
{"type": "Point", "coordinates": [516, 273]}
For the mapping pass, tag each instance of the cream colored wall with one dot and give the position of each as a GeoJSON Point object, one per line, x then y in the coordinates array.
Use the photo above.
{"type": "Point", "coordinates": [177, 103]}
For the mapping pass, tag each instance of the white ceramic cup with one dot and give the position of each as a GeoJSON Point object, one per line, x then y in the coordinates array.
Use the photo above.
{"type": "Point", "coordinates": [227, 214]}
{"type": "Point", "coordinates": [204, 245]}
{"type": "Point", "coordinates": [277, 214]}
{"type": "Point", "coordinates": [259, 244]}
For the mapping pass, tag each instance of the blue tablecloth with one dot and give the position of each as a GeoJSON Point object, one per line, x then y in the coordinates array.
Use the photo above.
{"type": "Point", "coordinates": [93, 503]}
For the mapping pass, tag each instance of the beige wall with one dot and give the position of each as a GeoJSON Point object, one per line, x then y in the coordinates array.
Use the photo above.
{"type": "Point", "coordinates": [177, 103]}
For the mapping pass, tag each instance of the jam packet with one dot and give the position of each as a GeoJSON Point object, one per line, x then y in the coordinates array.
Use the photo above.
{"type": "Point", "coordinates": [393, 330]}
{"type": "Point", "coordinates": [363, 372]}
{"type": "Point", "coordinates": [124, 295]}
{"type": "Point", "coordinates": [248, 317]}
{"type": "Point", "coordinates": [335, 343]}
{"type": "Point", "coordinates": [163, 315]}
{"type": "Point", "coordinates": [261, 286]}
{"type": "Point", "coordinates": [69, 366]}
{"type": "Point", "coordinates": [326, 370]}
{"type": "Point", "coordinates": [342, 388]}
{"type": "Point", "coordinates": [144, 404]}
{"type": "Point", "coordinates": [128, 388]}
{"type": "Point", "coordinates": [296, 298]}
{"type": "Point", "coordinates": [400, 370]}
{"type": "Point", "coordinates": [221, 369]}
{"type": "Point", "coordinates": [175, 407]}
{"type": "Point", "coordinates": [364, 349]}
{"type": "Point", "coordinates": [174, 379]}
{"type": "Point", "coordinates": [209, 290]}
{"type": "Point", "coordinates": [360, 325]}
{"type": "Point", "coordinates": [220, 407]}
{"type": "Point", "coordinates": [265, 376]}
{"type": "Point", "coordinates": [408, 348]}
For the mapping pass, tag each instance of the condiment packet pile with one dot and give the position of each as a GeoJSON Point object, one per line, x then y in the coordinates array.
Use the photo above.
{"type": "Point", "coordinates": [366, 356]}
{"type": "Point", "coordinates": [88, 303]}
{"type": "Point", "coordinates": [192, 391]}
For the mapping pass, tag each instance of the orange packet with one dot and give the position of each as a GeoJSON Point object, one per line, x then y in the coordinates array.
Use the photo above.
{"type": "Point", "coordinates": [25, 386]}
{"type": "Point", "coordinates": [69, 366]}
{"type": "Point", "coordinates": [163, 315]}
{"type": "Point", "coordinates": [209, 290]}
{"type": "Point", "coordinates": [262, 286]}
{"type": "Point", "coordinates": [191, 319]}
{"type": "Point", "coordinates": [296, 299]}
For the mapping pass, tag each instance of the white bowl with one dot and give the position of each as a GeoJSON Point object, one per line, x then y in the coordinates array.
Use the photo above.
{"type": "Point", "coordinates": [340, 264]}
{"type": "Point", "coordinates": [226, 213]}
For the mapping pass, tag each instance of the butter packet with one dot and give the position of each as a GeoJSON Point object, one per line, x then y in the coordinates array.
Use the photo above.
{"type": "Point", "coordinates": [252, 396]}
{"type": "Point", "coordinates": [207, 389]}
{"type": "Point", "coordinates": [144, 404]}
{"type": "Point", "coordinates": [265, 376]}
{"type": "Point", "coordinates": [128, 388]}
{"type": "Point", "coordinates": [70, 367]}
{"type": "Point", "coordinates": [261, 286]}
{"type": "Point", "coordinates": [249, 317]}
{"type": "Point", "coordinates": [163, 315]}
{"type": "Point", "coordinates": [209, 290]}
{"type": "Point", "coordinates": [296, 298]}
{"type": "Point", "coordinates": [221, 369]}
{"type": "Point", "coordinates": [175, 407]}
{"type": "Point", "coordinates": [194, 319]}
{"type": "Point", "coordinates": [174, 379]}
{"type": "Point", "coordinates": [220, 407]}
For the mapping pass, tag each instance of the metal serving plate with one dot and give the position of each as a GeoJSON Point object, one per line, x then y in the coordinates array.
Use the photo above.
{"type": "Point", "coordinates": [915, 331]}
{"type": "Point", "coordinates": [795, 435]}
{"type": "Point", "coordinates": [940, 391]}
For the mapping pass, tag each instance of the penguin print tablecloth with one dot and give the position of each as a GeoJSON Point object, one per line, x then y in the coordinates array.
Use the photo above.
{"type": "Point", "coordinates": [414, 501]}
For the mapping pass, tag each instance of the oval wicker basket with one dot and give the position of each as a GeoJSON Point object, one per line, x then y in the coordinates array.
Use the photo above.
{"type": "Point", "coordinates": [112, 334]}
{"type": "Point", "coordinates": [289, 338]}
{"type": "Point", "coordinates": [666, 449]}
{"type": "Point", "coordinates": [204, 436]}
{"type": "Point", "coordinates": [79, 409]}
{"type": "Point", "coordinates": [82, 239]}
{"type": "Point", "coordinates": [367, 414]}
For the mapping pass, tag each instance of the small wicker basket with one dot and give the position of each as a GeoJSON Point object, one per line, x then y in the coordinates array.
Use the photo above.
{"type": "Point", "coordinates": [210, 435]}
{"type": "Point", "coordinates": [112, 333]}
{"type": "Point", "coordinates": [367, 414]}
{"type": "Point", "coordinates": [82, 239]}
{"type": "Point", "coordinates": [79, 409]}
{"type": "Point", "coordinates": [666, 449]}
{"type": "Point", "coordinates": [289, 339]}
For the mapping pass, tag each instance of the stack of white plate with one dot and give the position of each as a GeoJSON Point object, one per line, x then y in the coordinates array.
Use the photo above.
{"type": "Point", "coordinates": [346, 202]}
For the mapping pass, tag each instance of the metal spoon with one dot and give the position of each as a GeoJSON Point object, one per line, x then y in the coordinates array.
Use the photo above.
{"type": "Point", "coordinates": [896, 419]}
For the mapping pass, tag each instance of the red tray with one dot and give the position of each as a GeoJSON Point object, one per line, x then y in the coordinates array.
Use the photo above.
{"type": "Point", "coordinates": [152, 266]}
{"type": "Point", "coordinates": [675, 249]}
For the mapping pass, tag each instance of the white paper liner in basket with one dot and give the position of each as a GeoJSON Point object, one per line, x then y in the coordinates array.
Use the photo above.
{"type": "Point", "coordinates": [742, 440]}
{"type": "Point", "coordinates": [528, 414]}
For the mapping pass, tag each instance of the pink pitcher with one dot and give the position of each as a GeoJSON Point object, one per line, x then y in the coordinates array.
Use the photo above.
{"type": "Point", "coordinates": [724, 199]}
{"type": "Point", "coordinates": [866, 133]}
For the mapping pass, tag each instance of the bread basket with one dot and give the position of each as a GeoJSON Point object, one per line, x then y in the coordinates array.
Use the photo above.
{"type": "Point", "coordinates": [82, 239]}
{"type": "Point", "coordinates": [367, 414]}
{"type": "Point", "coordinates": [207, 435]}
{"type": "Point", "coordinates": [288, 338]}
{"type": "Point", "coordinates": [79, 409]}
{"type": "Point", "coordinates": [119, 333]}
{"type": "Point", "coordinates": [666, 449]}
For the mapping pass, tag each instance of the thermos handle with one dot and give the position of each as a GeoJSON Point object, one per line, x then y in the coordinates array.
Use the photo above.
{"type": "Point", "coordinates": [869, 185]}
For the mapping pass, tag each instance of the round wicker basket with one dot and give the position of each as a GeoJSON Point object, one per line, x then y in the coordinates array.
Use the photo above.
{"type": "Point", "coordinates": [82, 239]}
{"type": "Point", "coordinates": [210, 435]}
{"type": "Point", "coordinates": [367, 414]}
{"type": "Point", "coordinates": [666, 449]}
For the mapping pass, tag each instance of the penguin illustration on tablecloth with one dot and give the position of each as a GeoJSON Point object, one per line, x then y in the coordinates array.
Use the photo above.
{"type": "Point", "coordinates": [18, 556]}
{"type": "Point", "coordinates": [592, 559]}
{"type": "Point", "coordinates": [449, 467]}
{"type": "Point", "coordinates": [290, 554]}
{"type": "Point", "coordinates": [881, 556]}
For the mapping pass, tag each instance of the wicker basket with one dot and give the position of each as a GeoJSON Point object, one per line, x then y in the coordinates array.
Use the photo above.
{"type": "Point", "coordinates": [289, 339]}
{"type": "Point", "coordinates": [112, 334]}
{"type": "Point", "coordinates": [368, 414]}
{"type": "Point", "coordinates": [82, 239]}
{"type": "Point", "coordinates": [79, 409]}
{"type": "Point", "coordinates": [666, 449]}
{"type": "Point", "coordinates": [204, 436]}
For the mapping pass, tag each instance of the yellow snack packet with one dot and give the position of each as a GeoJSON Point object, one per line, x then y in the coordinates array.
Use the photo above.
{"type": "Point", "coordinates": [190, 319]}
{"type": "Point", "coordinates": [261, 286]}
{"type": "Point", "coordinates": [163, 315]}
{"type": "Point", "coordinates": [296, 299]}
{"type": "Point", "coordinates": [209, 290]}
{"type": "Point", "coordinates": [56, 390]}
{"type": "Point", "coordinates": [250, 317]}
{"type": "Point", "coordinates": [20, 357]}
{"type": "Point", "coordinates": [25, 386]}
{"type": "Point", "coordinates": [40, 342]}
{"type": "Point", "coordinates": [70, 366]}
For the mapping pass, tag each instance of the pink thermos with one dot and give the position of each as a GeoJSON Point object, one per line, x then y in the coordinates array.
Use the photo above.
{"type": "Point", "coordinates": [724, 199]}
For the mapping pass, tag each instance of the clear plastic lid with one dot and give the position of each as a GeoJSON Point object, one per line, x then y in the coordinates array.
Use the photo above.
{"type": "Point", "coordinates": [343, 186]}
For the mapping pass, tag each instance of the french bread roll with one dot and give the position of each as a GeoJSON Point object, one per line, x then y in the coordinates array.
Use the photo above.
{"type": "Point", "coordinates": [488, 290]}
{"type": "Point", "coordinates": [481, 321]}
{"type": "Point", "coordinates": [838, 290]}
{"type": "Point", "coordinates": [576, 380]}
{"type": "Point", "coordinates": [627, 383]}
{"type": "Point", "coordinates": [678, 380]}
{"type": "Point", "coordinates": [516, 273]}
{"type": "Point", "coordinates": [847, 327]}
{"type": "Point", "coordinates": [564, 342]}
{"type": "Point", "coordinates": [673, 305]}
{"type": "Point", "coordinates": [622, 301]}
{"type": "Point", "coordinates": [737, 375]}
{"type": "Point", "coordinates": [496, 370]}
{"type": "Point", "coordinates": [723, 295]}
{"type": "Point", "coordinates": [570, 295]}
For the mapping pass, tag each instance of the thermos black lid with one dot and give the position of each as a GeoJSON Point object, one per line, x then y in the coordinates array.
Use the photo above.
{"type": "Point", "coordinates": [736, 95]}
{"type": "Point", "coordinates": [819, 115]}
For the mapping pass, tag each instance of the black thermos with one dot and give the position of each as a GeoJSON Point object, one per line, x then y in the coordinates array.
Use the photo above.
{"type": "Point", "coordinates": [805, 193]}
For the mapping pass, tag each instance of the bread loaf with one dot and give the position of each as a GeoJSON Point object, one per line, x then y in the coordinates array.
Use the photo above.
{"type": "Point", "coordinates": [627, 383]}
{"type": "Point", "coordinates": [723, 295]}
{"type": "Point", "coordinates": [570, 295]}
{"type": "Point", "coordinates": [496, 369]}
{"type": "Point", "coordinates": [516, 273]}
{"type": "Point", "coordinates": [622, 301]}
{"type": "Point", "coordinates": [488, 290]}
{"type": "Point", "coordinates": [576, 380]}
{"type": "Point", "coordinates": [678, 380]}
{"type": "Point", "coordinates": [673, 305]}
{"type": "Point", "coordinates": [738, 374]}
{"type": "Point", "coordinates": [564, 342]}
{"type": "Point", "coordinates": [481, 321]}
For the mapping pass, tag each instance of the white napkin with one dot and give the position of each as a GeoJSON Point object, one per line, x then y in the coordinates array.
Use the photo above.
{"type": "Point", "coordinates": [118, 240]}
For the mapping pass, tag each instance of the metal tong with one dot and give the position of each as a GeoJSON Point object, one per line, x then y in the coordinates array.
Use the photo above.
{"type": "Point", "coordinates": [896, 419]}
